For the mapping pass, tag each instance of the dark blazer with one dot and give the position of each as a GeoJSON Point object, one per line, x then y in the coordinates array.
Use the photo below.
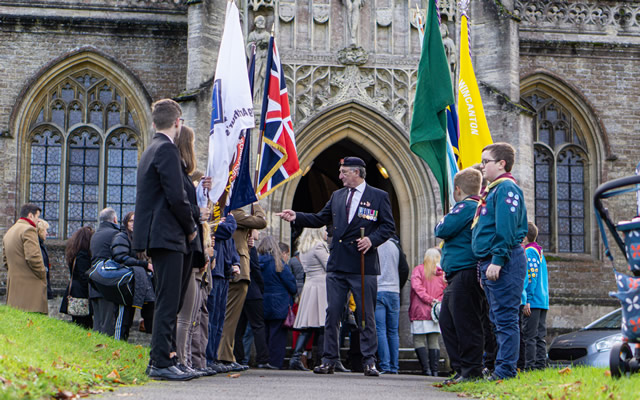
{"type": "Point", "coordinates": [163, 213]}
{"type": "Point", "coordinates": [279, 288]}
{"type": "Point", "coordinates": [373, 214]}
{"type": "Point", "coordinates": [225, 247]}
{"type": "Point", "coordinates": [256, 286]}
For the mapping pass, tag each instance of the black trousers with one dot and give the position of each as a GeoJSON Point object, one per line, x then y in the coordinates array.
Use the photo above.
{"type": "Point", "coordinates": [253, 314]}
{"type": "Point", "coordinates": [338, 286]}
{"type": "Point", "coordinates": [168, 274]}
{"type": "Point", "coordinates": [460, 323]}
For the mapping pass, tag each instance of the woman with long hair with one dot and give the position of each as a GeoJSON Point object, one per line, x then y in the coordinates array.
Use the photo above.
{"type": "Point", "coordinates": [194, 260]}
{"type": "Point", "coordinates": [77, 255]}
{"type": "Point", "coordinates": [314, 255]}
{"type": "Point", "coordinates": [427, 288]}
{"type": "Point", "coordinates": [123, 253]}
{"type": "Point", "coordinates": [279, 289]}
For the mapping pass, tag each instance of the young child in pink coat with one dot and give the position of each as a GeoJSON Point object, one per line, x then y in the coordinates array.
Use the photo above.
{"type": "Point", "coordinates": [427, 288]}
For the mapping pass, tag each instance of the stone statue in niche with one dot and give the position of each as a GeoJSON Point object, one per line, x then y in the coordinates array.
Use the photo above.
{"type": "Point", "coordinates": [260, 38]}
{"type": "Point", "coordinates": [353, 19]}
{"type": "Point", "coordinates": [449, 49]}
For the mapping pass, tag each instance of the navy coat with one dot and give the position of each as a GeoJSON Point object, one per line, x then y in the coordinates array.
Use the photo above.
{"type": "Point", "coordinates": [373, 214]}
{"type": "Point", "coordinates": [279, 287]}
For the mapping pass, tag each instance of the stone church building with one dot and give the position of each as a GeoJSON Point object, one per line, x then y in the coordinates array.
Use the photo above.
{"type": "Point", "coordinates": [558, 80]}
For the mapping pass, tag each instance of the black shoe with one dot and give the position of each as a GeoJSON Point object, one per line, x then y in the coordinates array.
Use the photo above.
{"type": "Point", "coordinates": [206, 371]}
{"type": "Point", "coordinates": [341, 368]}
{"type": "Point", "coordinates": [452, 380]}
{"type": "Point", "coordinates": [370, 370]}
{"type": "Point", "coordinates": [186, 369]}
{"type": "Point", "coordinates": [171, 373]}
{"type": "Point", "coordinates": [495, 378]}
{"type": "Point", "coordinates": [297, 365]}
{"type": "Point", "coordinates": [266, 366]}
{"type": "Point", "coordinates": [324, 369]}
{"type": "Point", "coordinates": [235, 367]}
{"type": "Point", "coordinates": [219, 367]}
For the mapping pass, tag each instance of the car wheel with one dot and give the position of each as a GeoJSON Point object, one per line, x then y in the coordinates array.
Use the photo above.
{"type": "Point", "coordinates": [619, 360]}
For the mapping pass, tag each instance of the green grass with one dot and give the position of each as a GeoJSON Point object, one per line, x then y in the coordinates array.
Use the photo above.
{"type": "Point", "coordinates": [552, 383]}
{"type": "Point", "coordinates": [42, 358]}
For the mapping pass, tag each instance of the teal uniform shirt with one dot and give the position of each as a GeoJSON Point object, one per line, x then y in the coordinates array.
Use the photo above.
{"type": "Point", "coordinates": [536, 284]}
{"type": "Point", "coordinates": [455, 229]}
{"type": "Point", "coordinates": [502, 223]}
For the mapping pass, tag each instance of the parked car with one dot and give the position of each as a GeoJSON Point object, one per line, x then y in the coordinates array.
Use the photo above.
{"type": "Point", "coordinates": [590, 345]}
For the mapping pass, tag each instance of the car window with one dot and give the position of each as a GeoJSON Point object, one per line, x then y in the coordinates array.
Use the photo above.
{"type": "Point", "coordinates": [609, 321]}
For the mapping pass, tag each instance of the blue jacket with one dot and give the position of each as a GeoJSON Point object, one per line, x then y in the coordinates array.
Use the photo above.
{"type": "Point", "coordinates": [455, 229]}
{"type": "Point", "coordinates": [226, 253]}
{"type": "Point", "coordinates": [502, 223]}
{"type": "Point", "coordinates": [536, 285]}
{"type": "Point", "coordinates": [279, 287]}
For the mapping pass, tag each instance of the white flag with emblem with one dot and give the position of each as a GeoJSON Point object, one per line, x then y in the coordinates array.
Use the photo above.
{"type": "Point", "coordinates": [232, 104]}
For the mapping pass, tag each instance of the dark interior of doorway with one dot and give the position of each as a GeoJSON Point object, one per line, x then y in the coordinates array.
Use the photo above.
{"type": "Point", "coordinates": [316, 186]}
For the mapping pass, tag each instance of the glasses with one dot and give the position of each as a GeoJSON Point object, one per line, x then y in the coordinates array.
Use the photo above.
{"type": "Point", "coordinates": [181, 119]}
{"type": "Point", "coordinates": [485, 162]}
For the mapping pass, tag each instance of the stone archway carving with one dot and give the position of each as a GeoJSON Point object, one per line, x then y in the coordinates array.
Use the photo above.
{"type": "Point", "coordinates": [388, 144]}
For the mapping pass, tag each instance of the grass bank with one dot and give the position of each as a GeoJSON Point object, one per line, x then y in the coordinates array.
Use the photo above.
{"type": "Point", "coordinates": [42, 358]}
{"type": "Point", "coordinates": [568, 383]}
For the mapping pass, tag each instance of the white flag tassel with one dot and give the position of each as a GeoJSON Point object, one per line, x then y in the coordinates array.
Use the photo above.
{"type": "Point", "coordinates": [232, 105]}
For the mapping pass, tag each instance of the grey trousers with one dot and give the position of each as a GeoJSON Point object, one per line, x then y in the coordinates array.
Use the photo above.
{"type": "Point", "coordinates": [535, 332]}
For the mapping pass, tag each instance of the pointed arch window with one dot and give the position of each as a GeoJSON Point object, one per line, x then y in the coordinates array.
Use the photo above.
{"type": "Point", "coordinates": [82, 148]}
{"type": "Point", "coordinates": [561, 177]}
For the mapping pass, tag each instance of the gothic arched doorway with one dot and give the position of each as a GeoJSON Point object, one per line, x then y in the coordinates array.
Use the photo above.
{"type": "Point", "coordinates": [316, 186]}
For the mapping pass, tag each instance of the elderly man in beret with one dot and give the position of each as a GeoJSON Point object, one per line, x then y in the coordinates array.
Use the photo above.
{"type": "Point", "coordinates": [355, 206]}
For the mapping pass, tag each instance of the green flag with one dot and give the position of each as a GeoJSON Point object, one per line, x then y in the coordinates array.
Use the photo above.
{"type": "Point", "coordinates": [434, 93]}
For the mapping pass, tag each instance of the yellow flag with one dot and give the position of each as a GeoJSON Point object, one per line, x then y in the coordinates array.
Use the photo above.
{"type": "Point", "coordinates": [474, 131]}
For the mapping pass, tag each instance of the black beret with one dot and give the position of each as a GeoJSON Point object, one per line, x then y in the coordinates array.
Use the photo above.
{"type": "Point", "coordinates": [352, 162]}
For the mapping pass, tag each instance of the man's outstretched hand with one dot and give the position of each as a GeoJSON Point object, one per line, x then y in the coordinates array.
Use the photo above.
{"type": "Point", "coordinates": [287, 215]}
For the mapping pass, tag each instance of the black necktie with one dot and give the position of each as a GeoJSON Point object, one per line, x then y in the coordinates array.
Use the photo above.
{"type": "Point", "coordinates": [351, 192]}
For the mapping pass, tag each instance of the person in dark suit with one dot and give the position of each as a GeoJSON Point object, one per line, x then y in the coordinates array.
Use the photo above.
{"type": "Point", "coordinates": [355, 206]}
{"type": "Point", "coordinates": [164, 227]}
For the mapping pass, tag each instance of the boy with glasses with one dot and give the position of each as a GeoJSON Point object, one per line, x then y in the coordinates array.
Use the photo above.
{"type": "Point", "coordinates": [499, 225]}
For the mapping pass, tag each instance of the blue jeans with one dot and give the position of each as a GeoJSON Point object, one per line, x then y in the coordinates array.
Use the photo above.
{"type": "Point", "coordinates": [503, 296]}
{"type": "Point", "coordinates": [387, 317]}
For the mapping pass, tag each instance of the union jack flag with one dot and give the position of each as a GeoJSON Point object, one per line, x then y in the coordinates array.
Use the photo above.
{"type": "Point", "coordinates": [278, 155]}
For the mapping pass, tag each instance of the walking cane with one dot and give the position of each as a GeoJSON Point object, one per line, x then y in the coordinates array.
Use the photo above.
{"type": "Point", "coordinates": [362, 276]}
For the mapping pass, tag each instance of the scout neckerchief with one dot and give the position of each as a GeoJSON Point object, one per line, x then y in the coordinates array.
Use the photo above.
{"type": "Point", "coordinates": [483, 197]}
{"type": "Point", "coordinates": [535, 246]}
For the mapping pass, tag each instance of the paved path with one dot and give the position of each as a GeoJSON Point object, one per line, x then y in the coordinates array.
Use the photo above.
{"type": "Point", "coordinates": [285, 385]}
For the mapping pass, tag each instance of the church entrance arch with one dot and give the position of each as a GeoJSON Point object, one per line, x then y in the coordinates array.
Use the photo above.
{"type": "Point", "coordinates": [355, 130]}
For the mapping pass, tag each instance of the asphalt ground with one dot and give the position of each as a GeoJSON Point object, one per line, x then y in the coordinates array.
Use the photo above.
{"type": "Point", "coordinates": [286, 384]}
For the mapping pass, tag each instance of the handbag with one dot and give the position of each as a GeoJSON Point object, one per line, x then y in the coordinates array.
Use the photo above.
{"type": "Point", "coordinates": [114, 281]}
{"type": "Point", "coordinates": [291, 317]}
{"type": "Point", "coordinates": [76, 306]}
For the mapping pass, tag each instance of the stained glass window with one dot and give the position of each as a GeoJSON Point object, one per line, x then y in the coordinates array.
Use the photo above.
{"type": "Point", "coordinates": [83, 179]}
{"type": "Point", "coordinates": [122, 159]}
{"type": "Point", "coordinates": [76, 116]}
{"type": "Point", "coordinates": [560, 168]}
{"type": "Point", "coordinates": [44, 177]}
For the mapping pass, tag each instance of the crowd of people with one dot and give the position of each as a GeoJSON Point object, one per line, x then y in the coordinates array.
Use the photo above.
{"type": "Point", "coordinates": [207, 291]}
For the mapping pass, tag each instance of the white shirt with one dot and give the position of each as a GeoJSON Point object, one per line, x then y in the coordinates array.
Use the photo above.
{"type": "Point", "coordinates": [355, 200]}
{"type": "Point", "coordinates": [170, 138]}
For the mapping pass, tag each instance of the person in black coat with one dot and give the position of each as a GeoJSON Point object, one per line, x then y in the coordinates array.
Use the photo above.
{"type": "Point", "coordinates": [104, 311]}
{"type": "Point", "coordinates": [253, 311]}
{"type": "Point", "coordinates": [355, 206]}
{"type": "Point", "coordinates": [41, 228]}
{"type": "Point", "coordinates": [123, 253]}
{"type": "Point", "coordinates": [78, 258]}
{"type": "Point", "coordinates": [164, 226]}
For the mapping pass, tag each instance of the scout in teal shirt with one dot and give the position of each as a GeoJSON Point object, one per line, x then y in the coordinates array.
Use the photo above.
{"type": "Point", "coordinates": [455, 229]}
{"type": "Point", "coordinates": [501, 222]}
